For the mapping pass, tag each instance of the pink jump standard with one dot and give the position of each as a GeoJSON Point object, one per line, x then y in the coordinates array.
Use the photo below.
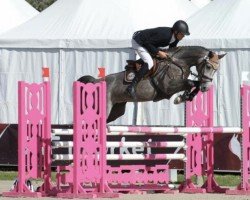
{"type": "Point", "coordinates": [34, 139]}
{"type": "Point", "coordinates": [244, 187]}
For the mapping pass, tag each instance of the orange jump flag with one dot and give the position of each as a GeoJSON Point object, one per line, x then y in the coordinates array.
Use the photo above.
{"type": "Point", "coordinates": [45, 75]}
{"type": "Point", "coordinates": [101, 72]}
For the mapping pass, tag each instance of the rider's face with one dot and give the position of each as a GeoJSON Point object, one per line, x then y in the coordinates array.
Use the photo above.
{"type": "Point", "coordinates": [179, 35]}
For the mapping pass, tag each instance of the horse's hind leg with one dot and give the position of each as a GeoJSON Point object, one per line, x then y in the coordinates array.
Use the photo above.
{"type": "Point", "coordinates": [117, 110]}
{"type": "Point", "coordinates": [109, 105]}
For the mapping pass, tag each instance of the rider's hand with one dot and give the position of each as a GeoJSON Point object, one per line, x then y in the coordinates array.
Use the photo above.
{"type": "Point", "coordinates": [162, 54]}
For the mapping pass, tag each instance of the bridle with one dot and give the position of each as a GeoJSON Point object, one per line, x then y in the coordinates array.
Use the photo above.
{"type": "Point", "coordinates": [206, 61]}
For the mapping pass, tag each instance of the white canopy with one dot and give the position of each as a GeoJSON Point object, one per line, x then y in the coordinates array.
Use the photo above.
{"type": "Point", "coordinates": [221, 24]}
{"type": "Point", "coordinates": [14, 13]}
{"type": "Point", "coordinates": [200, 3]}
{"type": "Point", "coordinates": [95, 23]}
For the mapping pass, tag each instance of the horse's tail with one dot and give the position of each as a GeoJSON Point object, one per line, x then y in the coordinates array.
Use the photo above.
{"type": "Point", "coordinates": [87, 79]}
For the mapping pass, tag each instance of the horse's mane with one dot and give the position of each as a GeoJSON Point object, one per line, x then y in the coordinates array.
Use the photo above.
{"type": "Point", "coordinates": [188, 50]}
{"type": "Point", "coordinates": [192, 48]}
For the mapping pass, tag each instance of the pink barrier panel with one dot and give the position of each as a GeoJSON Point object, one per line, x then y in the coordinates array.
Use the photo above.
{"type": "Point", "coordinates": [141, 174]}
{"type": "Point", "coordinates": [33, 137]}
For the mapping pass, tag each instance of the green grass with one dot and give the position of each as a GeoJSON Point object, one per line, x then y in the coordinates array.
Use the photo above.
{"type": "Point", "coordinates": [12, 175]}
{"type": "Point", "coordinates": [8, 175]}
{"type": "Point", "coordinates": [229, 180]}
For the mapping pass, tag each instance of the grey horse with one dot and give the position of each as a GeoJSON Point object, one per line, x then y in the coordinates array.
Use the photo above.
{"type": "Point", "coordinates": [169, 78]}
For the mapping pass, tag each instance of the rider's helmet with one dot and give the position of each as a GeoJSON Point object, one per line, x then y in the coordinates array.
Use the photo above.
{"type": "Point", "coordinates": [181, 26]}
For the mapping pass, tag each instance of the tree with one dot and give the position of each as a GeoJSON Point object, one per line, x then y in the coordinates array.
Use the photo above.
{"type": "Point", "coordinates": [40, 5]}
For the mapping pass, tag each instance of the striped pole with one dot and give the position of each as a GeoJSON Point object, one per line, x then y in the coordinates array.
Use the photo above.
{"type": "Point", "coordinates": [66, 157]}
{"type": "Point", "coordinates": [69, 144]}
{"type": "Point", "coordinates": [137, 130]}
{"type": "Point", "coordinates": [186, 130]}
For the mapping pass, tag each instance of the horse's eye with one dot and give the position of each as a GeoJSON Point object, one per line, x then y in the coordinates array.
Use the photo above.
{"type": "Point", "coordinates": [209, 66]}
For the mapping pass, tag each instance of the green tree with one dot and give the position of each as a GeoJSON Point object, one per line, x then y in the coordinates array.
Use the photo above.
{"type": "Point", "coordinates": [40, 5]}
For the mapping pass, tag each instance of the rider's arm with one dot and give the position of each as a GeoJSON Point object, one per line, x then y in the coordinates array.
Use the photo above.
{"type": "Point", "coordinates": [162, 54]}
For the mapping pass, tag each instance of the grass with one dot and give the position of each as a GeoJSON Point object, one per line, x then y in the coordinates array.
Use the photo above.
{"type": "Point", "coordinates": [12, 175]}
{"type": "Point", "coordinates": [229, 180]}
{"type": "Point", "coordinates": [8, 175]}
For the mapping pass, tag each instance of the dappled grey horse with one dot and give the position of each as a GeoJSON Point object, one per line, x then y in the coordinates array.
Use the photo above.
{"type": "Point", "coordinates": [169, 78]}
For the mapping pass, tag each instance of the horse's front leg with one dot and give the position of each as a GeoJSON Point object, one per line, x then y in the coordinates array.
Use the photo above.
{"type": "Point", "coordinates": [188, 94]}
{"type": "Point", "coordinates": [194, 92]}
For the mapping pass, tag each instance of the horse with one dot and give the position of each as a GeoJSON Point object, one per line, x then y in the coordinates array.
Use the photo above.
{"type": "Point", "coordinates": [170, 77]}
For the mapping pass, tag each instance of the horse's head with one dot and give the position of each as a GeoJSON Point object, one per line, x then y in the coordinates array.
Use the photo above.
{"type": "Point", "coordinates": [207, 68]}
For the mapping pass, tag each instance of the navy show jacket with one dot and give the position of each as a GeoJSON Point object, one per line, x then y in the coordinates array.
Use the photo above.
{"type": "Point", "coordinates": [152, 39]}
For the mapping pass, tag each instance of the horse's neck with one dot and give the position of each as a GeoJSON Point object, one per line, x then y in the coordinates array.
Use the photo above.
{"type": "Point", "coordinates": [185, 57]}
{"type": "Point", "coordinates": [180, 63]}
{"type": "Point", "coordinates": [168, 68]}
{"type": "Point", "coordinates": [189, 55]}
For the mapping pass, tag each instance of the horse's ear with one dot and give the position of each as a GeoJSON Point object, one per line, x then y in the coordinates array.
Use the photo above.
{"type": "Point", "coordinates": [210, 54]}
{"type": "Point", "coordinates": [221, 55]}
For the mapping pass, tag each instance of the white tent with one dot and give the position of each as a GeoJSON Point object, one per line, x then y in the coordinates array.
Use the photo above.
{"type": "Point", "coordinates": [200, 3]}
{"type": "Point", "coordinates": [223, 27]}
{"type": "Point", "coordinates": [14, 13]}
{"type": "Point", "coordinates": [95, 24]}
{"type": "Point", "coordinates": [73, 38]}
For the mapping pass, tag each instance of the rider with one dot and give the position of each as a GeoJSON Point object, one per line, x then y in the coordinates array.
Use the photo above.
{"type": "Point", "coordinates": [146, 43]}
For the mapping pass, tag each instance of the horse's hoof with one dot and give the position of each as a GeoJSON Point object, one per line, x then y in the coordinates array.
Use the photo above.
{"type": "Point", "coordinates": [178, 100]}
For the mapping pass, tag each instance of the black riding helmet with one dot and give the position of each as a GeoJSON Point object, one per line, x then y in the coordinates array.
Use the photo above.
{"type": "Point", "coordinates": [181, 26]}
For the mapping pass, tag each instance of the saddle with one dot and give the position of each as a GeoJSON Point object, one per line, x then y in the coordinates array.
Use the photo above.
{"type": "Point", "coordinates": [134, 66]}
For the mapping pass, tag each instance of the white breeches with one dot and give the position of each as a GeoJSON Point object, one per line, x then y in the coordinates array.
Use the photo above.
{"type": "Point", "coordinates": [143, 53]}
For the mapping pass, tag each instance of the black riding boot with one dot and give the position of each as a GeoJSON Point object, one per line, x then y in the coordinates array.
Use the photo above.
{"type": "Point", "coordinates": [138, 76]}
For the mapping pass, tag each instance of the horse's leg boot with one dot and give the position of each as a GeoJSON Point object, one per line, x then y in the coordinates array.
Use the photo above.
{"type": "Point", "coordinates": [182, 98]}
{"type": "Point", "coordinates": [131, 89]}
{"type": "Point", "coordinates": [178, 100]}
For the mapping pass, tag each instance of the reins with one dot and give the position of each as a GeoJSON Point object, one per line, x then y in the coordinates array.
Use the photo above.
{"type": "Point", "coordinates": [212, 62]}
{"type": "Point", "coordinates": [170, 59]}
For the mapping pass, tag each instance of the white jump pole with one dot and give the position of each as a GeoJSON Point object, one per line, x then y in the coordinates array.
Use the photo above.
{"type": "Point", "coordinates": [67, 157]}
